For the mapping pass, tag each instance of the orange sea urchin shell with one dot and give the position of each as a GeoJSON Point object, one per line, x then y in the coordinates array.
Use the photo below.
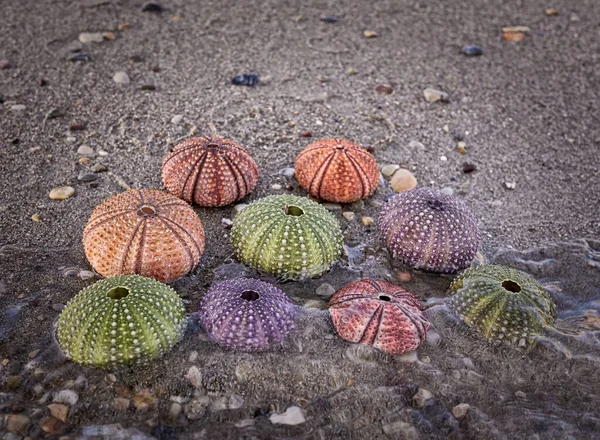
{"type": "Point", "coordinates": [145, 232]}
{"type": "Point", "coordinates": [209, 171]}
{"type": "Point", "coordinates": [337, 170]}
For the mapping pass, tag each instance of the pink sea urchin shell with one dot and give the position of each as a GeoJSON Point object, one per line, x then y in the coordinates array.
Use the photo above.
{"type": "Point", "coordinates": [209, 171]}
{"type": "Point", "coordinates": [380, 314]}
{"type": "Point", "coordinates": [144, 232]}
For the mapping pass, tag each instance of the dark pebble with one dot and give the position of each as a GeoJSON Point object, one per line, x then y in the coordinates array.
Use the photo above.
{"type": "Point", "coordinates": [54, 113]}
{"type": "Point", "coordinates": [383, 89]}
{"type": "Point", "coordinates": [79, 57]}
{"type": "Point", "coordinates": [1, 100]}
{"type": "Point", "coordinates": [148, 87]}
{"type": "Point", "coordinates": [99, 168]}
{"type": "Point", "coordinates": [370, 149]}
{"type": "Point", "coordinates": [152, 7]}
{"type": "Point", "coordinates": [43, 82]}
{"type": "Point", "coordinates": [247, 79]}
{"type": "Point", "coordinates": [469, 167]}
{"type": "Point", "coordinates": [472, 51]}
{"type": "Point", "coordinates": [136, 59]}
{"type": "Point", "coordinates": [87, 177]}
{"type": "Point", "coordinates": [77, 126]}
{"type": "Point", "coordinates": [94, 184]}
{"type": "Point", "coordinates": [329, 19]}
{"type": "Point", "coordinates": [306, 134]}
{"type": "Point", "coordinates": [155, 69]}
{"type": "Point", "coordinates": [15, 141]}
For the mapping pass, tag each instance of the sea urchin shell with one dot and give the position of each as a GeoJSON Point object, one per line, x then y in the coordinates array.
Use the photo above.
{"type": "Point", "coordinates": [209, 171]}
{"type": "Point", "coordinates": [429, 230]}
{"type": "Point", "coordinates": [247, 314]}
{"type": "Point", "coordinates": [502, 303]}
{"type": "Point", "coordinates": [380, 314]}
{"type": "Point", "coordinates": [287, 236]}
{"type": "Point", "coordinates": [121, 320]}
{"type": "Point", "coordinates": [337, 170]}
{"type": "Point", "coordinates": [146, 232]}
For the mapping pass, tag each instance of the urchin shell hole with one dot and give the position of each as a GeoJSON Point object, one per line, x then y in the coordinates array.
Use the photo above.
{"type": "Point", "coordinates": [118, 292]}
{"type": "Point", "coordinates": [212, 145]}
{"type": "Point", "coordinates": [147, 210]}
{"type": "Point", "coordinates": [436, 204]}
{"type": "Point", "coordinates": [511, 286]}
{"type": "Point", "coordinates": [293, 211]}
{"type": "Point", "coordinates": [384, 298]}
{"type": "Point", "coordinates": [250, 295]}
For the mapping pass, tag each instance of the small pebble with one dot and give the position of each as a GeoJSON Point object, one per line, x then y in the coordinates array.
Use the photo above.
{"type": "Point", "coordinates": [136, 59]}
{"type": "Point", "coordinates": [62, 193]}
{"type": "Point", "coordinates": [403, 180]}
{"type": "Point", "coordinates": [99, 168]}
{"type": "Point", "coordinates": [383, 89]}
{"type": "Point", "coordinates": [421, 397]}
{"type": "Point", "coordinates": [434, 95]}
{"type": "Point", "coordinates": [84, 160]}
{"type": "Point", "coordinates": [445, 128]}
{"type": "Point", "coordinates": [79, 57]}
{"type": "Point", "coordinates": [77, 126]}
{"type": "Point", "coordinates": [276, 186]}
{"type": "Point", "coordinates": [552, 12]}
{"type": "Point", "coordinates": [469, 168]}
{"type": "Point", "coordinates": [460, 410]}
{"type": "Point", "coordinates": [404, 277]}
{"type": "Point", "coordinates": [331, 206]}
{"type": "Point", "coordinates": [152, 7]}
{"type": "Point", "coordinates": [416, 145]}
{"type": "Point", "coordinates": [69, 397]}
{"type": "Point", "coordinates": [87, 177]}
{"type": "Point", "coordinates": [121, 78]}
{"type": "Point", "coordinates": [36, 218]}
{"type": "Point", "coordinates": [510, 185]}
{"type": "Point", "coordinates": [54, 113]}
{"type": "Point", "coordinates": [306, 134]}
{"type": "Point", "coordinates": [287, 172]}
{"type": "Point", "coordinates": [121, 404]}
{"type": "Point", "coordinates": [13, 382]}
{"type": "Point", "coordinates": [103, 153]}
{"type": "Point", "coordinates": [34, 353]}
{"type": "Point", "coordinates": [4, 64]}
{"type": "Point", "coordinates": [18, 107]}
{"type": "Point", "coordinates": [194, 376]}
{"type": "Point", "coordinates": [349, 215]}
{"type": "Point", "coordinates": [513, 36]}
{"type": "Point", "coordinates": [443, 158]}
{"type": "Point", "coordinates": [59, 411]}
{"type": "Point", "coordinates": [240, 207]}
{"type": "Point", "coordinates": [86, 274]}
{"type": "Point", "coordinates": [71, 139]}
{"type": "Point", "coordinates": [177, 119]}
{"type": "Point", "coordinates": [370, 34]}
{"type": "Point", "coordinates": [148, 87]}
{"type": "Point", "coordinates": [462, 147]}
{"type": "Point", "coordinates": [85, 150]}
{"type": "Point", "coordinates": [90, 37]}
{"type": "Point", "coordinates": [109, 36]}
{"type": "Point", "coordinates": [516, 29]}
{"type": "Point", "coordinates": [472, 51]}
{"type": "Point", "coordinates": [447, 191]}
{"type": "Point", "coordinates": [520, 394]}
{"type": "Point", "coordinates": [329, 19]}
{"type": "Point", "coordinates": [17, 423]}
{"type": "Point", "coordinates": [193, 356]}
{"type": "Point", "coordinates": [292, 416]}
{"type": "Point", "coordinates": [228, 223]}
{"type": "Point", "coordinates": [367, 221]}
{"type": "Point", "coordinates": [57, 307]}
{"type": "Point", "coordinates": [352, 71]}
{"type": "Point", "coordinates": [246, 79]}
{"type": "Point", "coordinates": [175, 410]}
{"type": "Point", "coordinates": [325, 291]}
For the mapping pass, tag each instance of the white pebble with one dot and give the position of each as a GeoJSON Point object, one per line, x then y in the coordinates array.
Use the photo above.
{"type": "Point", "coordinates": [177, 119]}
{"type": "Point", "coordinates": [18, 107]}
{"type": "Point", "coordinates": [194, 376]}
{"type": "Point", "coordinates": [90, 37]}
{"type": "Point", "coordinates": [276, 186]}
{"type": "Point", "coordinates": [69, 397]}
{"type": "Point", "coordinates": [121, 78]}
{"type": "Point", "coordinates": [292, 416]}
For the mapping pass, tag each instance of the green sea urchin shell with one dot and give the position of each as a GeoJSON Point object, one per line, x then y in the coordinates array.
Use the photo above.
{"type": "Point", "coordinates": [121, 320]}
{"type": "Point", "coordinates": [287, 236]}
{"type": "Point", "coordinates": [502, 303]}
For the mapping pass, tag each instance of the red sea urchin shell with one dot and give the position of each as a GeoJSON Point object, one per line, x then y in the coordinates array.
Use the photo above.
{"type": "Point", "coordinates": [337, 170]}
{"type": "Point", "coordinates": [144, 232]}
{"type": "Point", "coordinates": [380, 314]}
{"type": "Point", "coordinates": [209, 171]}
{"type": "Point", "coordinates": [429, 230]}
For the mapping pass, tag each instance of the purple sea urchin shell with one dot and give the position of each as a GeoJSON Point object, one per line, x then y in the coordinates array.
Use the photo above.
{"type": "Point", "coordinates": [429, 230]}
{"type": "Point", "coordinates": [247, 314]}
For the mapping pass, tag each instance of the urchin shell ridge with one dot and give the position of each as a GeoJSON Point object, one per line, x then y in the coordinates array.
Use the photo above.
{"type": "Point", "coordinates": [287, 236]}
{"type": "Point", "coordinates": [380, 314]}
{"type": "Point", "coordinates": [247, 314]}
{"type": "Point", "coordinates": [502, 304]}
{"type": "Point", "coordinates": [337, 170]}
{"type": "Point", "coordinates": [209, 171]}
{"type": "Point", "coordinates": [122, 320]}
{"type": "Point", "coordinates": [145, 232]}
{"type": "Point", "coordinates": [429, 230]}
